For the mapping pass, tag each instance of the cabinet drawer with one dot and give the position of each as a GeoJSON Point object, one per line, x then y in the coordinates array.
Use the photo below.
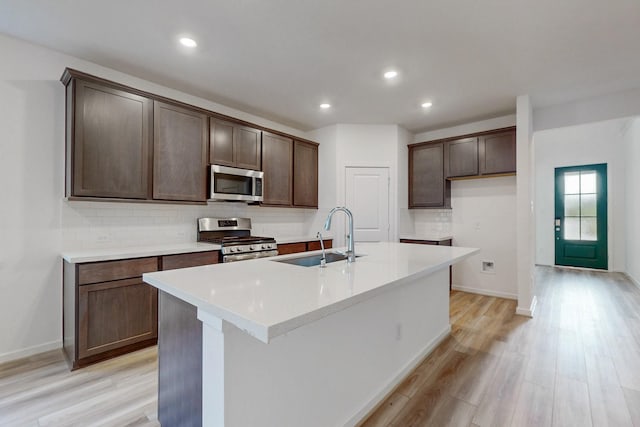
{"type": "Point", "coordinates": [115, 314]}
{"type": "Point", "coordinates": [292, 248]}
{"type": "Point", "coordinates": [97, 272]}
{"type": "Point", "coordinates": [172, 262]}
{"type": "Point", "coordinates": [315, 245]}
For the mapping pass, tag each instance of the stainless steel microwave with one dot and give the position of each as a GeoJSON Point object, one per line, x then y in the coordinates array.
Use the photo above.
{"type": "Point", "coordinates": [234, 184]}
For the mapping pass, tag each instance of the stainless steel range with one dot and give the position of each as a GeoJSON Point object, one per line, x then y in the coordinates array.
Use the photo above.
{"type": "Point", "coordinates": [234, 235]}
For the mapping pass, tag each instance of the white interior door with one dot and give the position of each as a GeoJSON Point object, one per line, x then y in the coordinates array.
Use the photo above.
{"type": "Point", "coordinates": [367, 196]}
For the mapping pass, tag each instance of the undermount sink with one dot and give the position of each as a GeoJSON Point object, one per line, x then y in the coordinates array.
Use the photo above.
{"type": "Point", "coordinates": [313, 260]}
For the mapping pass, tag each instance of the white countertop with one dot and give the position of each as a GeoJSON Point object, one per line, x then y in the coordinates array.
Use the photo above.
{"type": "Point", "coordinates": [93, 255]}
{"type": "Point", "coordinates": [427, 236]}
{"type": "Point", "coordinates": [267, 298]}
{"type": "Point", "coordinates": [110, 254]}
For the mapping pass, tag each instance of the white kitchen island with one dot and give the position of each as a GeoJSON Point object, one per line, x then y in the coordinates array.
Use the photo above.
{"type": "Point", "coordinates": [286, 345]}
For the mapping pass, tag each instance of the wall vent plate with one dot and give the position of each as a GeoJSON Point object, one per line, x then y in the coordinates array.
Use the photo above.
{"type": "Point", "coordinates": [488, 267]}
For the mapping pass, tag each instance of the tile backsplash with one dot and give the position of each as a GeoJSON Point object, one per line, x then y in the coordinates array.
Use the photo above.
{"type": "Point", "coordinates": [88, 225]}
{"type": "Point", "coordinates": [429, 221]}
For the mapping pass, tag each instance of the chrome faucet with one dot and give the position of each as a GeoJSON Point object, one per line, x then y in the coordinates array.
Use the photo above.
{"type": "Point", "coordinates": [323, 260]}
{"type": "Point", "coordinates": [351, 252]}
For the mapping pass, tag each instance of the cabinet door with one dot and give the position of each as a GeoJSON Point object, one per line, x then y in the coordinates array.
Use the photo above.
{"type": "Point", "coordinates": [172, 262]}
{"type": "Point", "coordinates": [461, 157]}
{"type": "Point", "coordinates": [111, 143]}
{"type": "Point", "coordinates": [234, 145]}
{"type": "Point", "coordinates": [427, 186]}
{"type": "Point", "coordinates": [305, 174]}
{"type": "Point", "coordinates": [497, 153]}
{"type": "Point", "coordinates": [179, 153]}
{"type": "Point", "coordinates": [277, 165]}
{"type": "Point", "coordinates": [221, 139]}
{"type": "Point", "coordinates": [115, 314]}
{"type": "Point", "coordinates": [315, 245]}
{"type": "Point", "coordinates": [247, 147]}
{"type": "Point", "coordinates": [292, 248]}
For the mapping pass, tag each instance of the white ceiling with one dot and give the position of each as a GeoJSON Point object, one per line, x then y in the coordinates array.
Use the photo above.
{"type": "Point", "coordinates": [280, 59]}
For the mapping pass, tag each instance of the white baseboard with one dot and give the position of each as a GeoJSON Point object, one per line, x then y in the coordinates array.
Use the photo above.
{"type": "Point", "coordinates": [528, 311]}
{"type": "Point", "coordinates": [486, 292]}
{"type": "Point", "coordinates": [30, 351]}
{"type": "Point", "coordinates": [632, 279]}
{"type": "Point", "coordinates": [398, 378]}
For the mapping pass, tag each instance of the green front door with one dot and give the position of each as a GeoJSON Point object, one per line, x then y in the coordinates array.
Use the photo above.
{"type": "Point", "coordinates": [581, 216]}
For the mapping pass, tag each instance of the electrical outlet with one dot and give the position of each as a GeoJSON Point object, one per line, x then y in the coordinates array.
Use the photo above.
{"type": "Point", "coordinates": [398, 331]}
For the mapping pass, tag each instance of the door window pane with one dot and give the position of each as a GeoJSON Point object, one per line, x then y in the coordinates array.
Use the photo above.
{"type": "Point", "coordinates": [587, 205]}
{"type": "Point", "coordinates": [572, 183]}
{"type": "Point", "coordinates": [588, 182]}
{"type": "Point", "coordinates": [588, 229]}
{"type": "Point", "coordinates": [572, 228]}
{"type": "Point", "coordinates": [572, 205]}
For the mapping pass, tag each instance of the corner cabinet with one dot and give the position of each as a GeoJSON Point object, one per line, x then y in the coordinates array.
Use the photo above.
{"type": "Point", "coordinates": [277, 165]}
{"type": "Point", "coordinates": [427, 186]}
{"type": "Point", "coordinates": [109, 136]}
{"type": "Point", "coordinates": [235, 145]}
{"type": "Point", "coordinates": [179, 153]}
{"type": "Point", "coordinates": [305, 174]}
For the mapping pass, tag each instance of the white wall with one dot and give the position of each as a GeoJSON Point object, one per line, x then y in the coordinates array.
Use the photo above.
{"type": "Point", "coordinates": [596, 109]}
{"type": "Point", "coordinates": [465, 129]}
{"type": "Point", "coordinates": [525, 201]}
{"type": "Point", "coordinates": [38, 224]}
{"type": "Point", "coordinates": [361, 146]}
{"type": "Point", "coordinates": [580, 145]}
{"type": "Point", "coordinates": [632, 197]}
{"type": "Point", "coordinates": [483, 215]}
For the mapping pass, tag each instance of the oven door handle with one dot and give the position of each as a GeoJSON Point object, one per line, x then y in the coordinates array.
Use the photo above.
{"type": "Point", "coordinates": [251, 255]}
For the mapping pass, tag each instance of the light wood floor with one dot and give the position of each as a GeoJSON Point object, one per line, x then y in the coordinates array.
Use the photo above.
{"type": "Point", "coordinates": [577, 363]}
{"type": "Point", "coordinates": [40, 391]}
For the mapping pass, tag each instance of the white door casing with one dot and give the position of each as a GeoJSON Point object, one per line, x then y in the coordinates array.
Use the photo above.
{"type": "Point", "coordinates": [367, 196]}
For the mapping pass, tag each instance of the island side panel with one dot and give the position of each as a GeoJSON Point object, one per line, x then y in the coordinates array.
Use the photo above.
{"type": "Point", "coordinates": [179, 363]}
{"type": "Point", "coordinates": [329, 372]}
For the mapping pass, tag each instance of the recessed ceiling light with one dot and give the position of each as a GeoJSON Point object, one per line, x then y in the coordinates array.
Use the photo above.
{"type": "Point", "coordinates": [390, 74]}
{"type": "Point", "coordinates": [186, 41]}
{"type": "Point", "coordinates": [325, 106]}
{"type": "Point", "coordinates": [427, 104]}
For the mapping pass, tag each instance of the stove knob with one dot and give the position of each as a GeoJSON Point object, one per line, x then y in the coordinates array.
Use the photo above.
{"type": "Point", "coordinates": [265, 246]}
{"type": "Point", "coordinates": [252, 247]}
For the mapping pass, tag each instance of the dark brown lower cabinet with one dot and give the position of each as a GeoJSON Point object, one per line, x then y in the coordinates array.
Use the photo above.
{"type": "Point", "coordinates": [315, 245]}
{"type": "Point", "coordinates": [107, 309]}
{"type": "Point", "coordinates": [293, 248]}
{"type": "Point", "coordinates": [179, 363]}
{"type": "Point", "coordinates": [115, 315]}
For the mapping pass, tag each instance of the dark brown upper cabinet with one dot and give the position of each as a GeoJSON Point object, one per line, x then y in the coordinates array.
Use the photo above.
{"type": "Point", "coordinates": [305, 174]}
{"type": "Point", "coordinates": [180, 145]}
{"type": "Point", "coordinates": [497, 153]}
{"type": "Point", "coordinates": [427, 186]}
{"type": "Point", "coordinates": [127, 144]}
{"type": "Point", "coordinates": [108, 141]}
{"type": "Point", "coordinates": [234, 145]}
{"type": "Point", "coordinates": [461, 157]}
{"type": "Point", "coordinates": [277, 165]}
